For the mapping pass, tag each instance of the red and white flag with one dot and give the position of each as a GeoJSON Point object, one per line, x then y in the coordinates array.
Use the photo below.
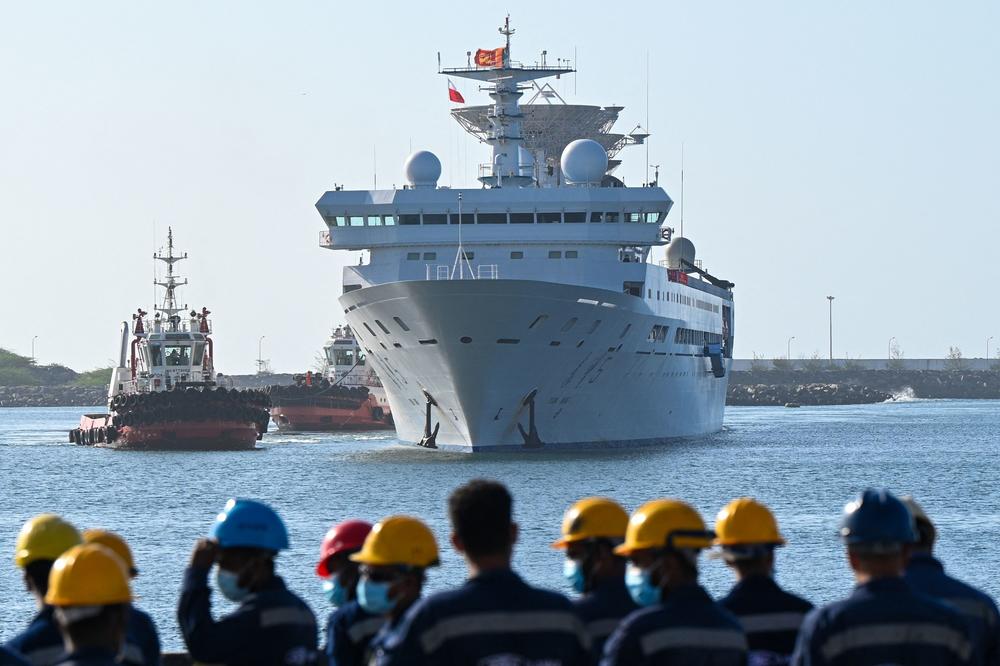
{"type": "Point", "coordinates": [453, 93]}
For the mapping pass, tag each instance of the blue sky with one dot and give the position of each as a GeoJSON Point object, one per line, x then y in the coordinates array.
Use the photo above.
{"type": "Point", "coordinates": [850, 149]}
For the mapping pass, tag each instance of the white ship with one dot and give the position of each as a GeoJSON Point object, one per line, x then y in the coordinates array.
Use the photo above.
{"type": "Point", "coordinates": [529, 313]}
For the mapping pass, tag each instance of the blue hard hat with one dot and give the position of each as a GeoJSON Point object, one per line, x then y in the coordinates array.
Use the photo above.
{"type": "Point", "coordinates": [877, 517]}
{"type": "Point", "coordinates": [249, 524]}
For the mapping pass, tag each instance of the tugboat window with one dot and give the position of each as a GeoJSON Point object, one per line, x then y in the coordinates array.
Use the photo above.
{"type": "Point", "coordinates": [374, 221]}
{"type": "Point", "coordinates": [199, 352]}
{"type": "Point", "coordinates": [517, 254]}
{"type": "Point", "coordinates": [571, 254]}
{"type": "Point", "coordinates": [341, 221]}
{"type": "Point", "coordinates": [555, 254]}
{"type": "Point", "coordinates": [178, 356]}
{"type": "Point", "coordinates": [389, 221]}
{"type": "Point", "coordinates": [430, 256]}
{"type": "Point", "coordinates": [412, 256]}
{"type": "Point", "coordinates": [357, 221]}
{"type": "Point", "coordinates": [157, 354]}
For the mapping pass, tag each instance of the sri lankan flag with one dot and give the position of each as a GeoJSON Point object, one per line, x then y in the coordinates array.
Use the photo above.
{"type": "Point", "coordinates": [490, 57]}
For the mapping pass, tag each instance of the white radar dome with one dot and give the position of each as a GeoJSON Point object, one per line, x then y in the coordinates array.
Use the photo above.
{"type": "Point", "coordinates": [584, 161]}
{"type": "Point", "coordinates": [423, 169]}
{"type": "Point", "coordinates": [679, 248]}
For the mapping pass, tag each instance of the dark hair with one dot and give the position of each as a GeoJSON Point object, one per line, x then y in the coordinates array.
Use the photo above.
{"type": "Point", "coordinates": [480, 514]}
{"type": "Point", "coordinates": [38, 573]}
{"type": "Point", "coordinates": [926, 534]}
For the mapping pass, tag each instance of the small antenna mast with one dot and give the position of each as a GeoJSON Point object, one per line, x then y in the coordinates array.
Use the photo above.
{"type": "Point", "coordinates": [647, 118]}
{"type": "Point", "coordinates": [682, 189]}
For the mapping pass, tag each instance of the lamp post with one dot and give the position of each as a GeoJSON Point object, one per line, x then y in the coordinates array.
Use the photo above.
{"type": "Point", "coordinates": [788, 348]}
{"type": "Point", "coordinates": [830, 298]}
{"type": "Point", "coordinates": [260, 361]}
{"type": "Point", "coordinates": [33, 361]}
{"type": "Point", "coordinates": [988, 349]}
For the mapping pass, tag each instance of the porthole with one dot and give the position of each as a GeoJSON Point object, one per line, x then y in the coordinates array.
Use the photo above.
{"type": "Point", "coordinates": [465, 339]}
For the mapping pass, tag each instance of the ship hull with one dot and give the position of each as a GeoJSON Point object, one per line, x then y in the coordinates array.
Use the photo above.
{"type": "Point", "coordinates": [317, 418]}
{"type": "Point", "coordinates": [480, 348]}
{"type": "Point", "coordinates": [189, 435]}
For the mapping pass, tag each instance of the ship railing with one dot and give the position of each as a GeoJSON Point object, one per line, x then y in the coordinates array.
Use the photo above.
{"type": "Point", "coordinates": [478, 272]}
{"type": "Point", "coordinates": [324, 239]}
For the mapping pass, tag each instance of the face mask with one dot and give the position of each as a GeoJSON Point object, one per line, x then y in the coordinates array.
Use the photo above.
{"type": "Point", "coordinates": [228, 584]}
{"type": "Point", "coordinates": [374, 597]}
{"type": "Point", "coordinates": [573, 573]}
{"type": "Point", "coordinates": [640, 586]}
{"type": "Point", "coordinates": [334, 592]}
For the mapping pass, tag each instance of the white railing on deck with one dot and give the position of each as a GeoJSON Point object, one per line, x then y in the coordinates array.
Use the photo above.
{"type": "Point", "coordinates": [480, 272]}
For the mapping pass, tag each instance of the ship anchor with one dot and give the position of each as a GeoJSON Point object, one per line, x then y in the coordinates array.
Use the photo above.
{"type": "Point", "coordinates": [429, 440]}
{"type": "Point", "coordinates": [531, 438]}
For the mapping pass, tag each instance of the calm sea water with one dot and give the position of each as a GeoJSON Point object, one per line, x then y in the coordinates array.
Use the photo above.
{"type": "Point", "coordinates": [805, 463]}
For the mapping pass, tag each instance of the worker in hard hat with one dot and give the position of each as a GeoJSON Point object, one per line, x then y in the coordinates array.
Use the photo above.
{"type": "Point", "coordinates": [679, 624]}
{"type": "Point", "coordinates": [926, 574]}
{"type": "Point", "coordinates": [89, 591]}
{"type": "Point", "coordinates": [746, 533]}
{"type": "Point", "coordinates": [350, 628]}
{"type": "Point", "coordinates": [394, 561]}
{"type": "Point", "coordinates": [591, 530]}
{"type": "Point", "coordinates": [40, 542]}
{"type": "Point", "coordinates": [883, 621]}
{"type": "Point", "coordinates": [495, 617]}
{"type": "Point", "coordinates": [270, 625]}
{"type": "Point", "coordinates": [142, 642]}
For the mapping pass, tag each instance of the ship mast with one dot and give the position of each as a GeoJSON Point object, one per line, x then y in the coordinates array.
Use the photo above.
{"type": "Point", "coordinates": [504, 87]}
{"type": "Point", "coordinates": [170, 283]}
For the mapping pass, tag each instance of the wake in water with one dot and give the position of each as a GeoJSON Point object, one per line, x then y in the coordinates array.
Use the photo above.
{"type": "Point", "coordinates": [905, 394]}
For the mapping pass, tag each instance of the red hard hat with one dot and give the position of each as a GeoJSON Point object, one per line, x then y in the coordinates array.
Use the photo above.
{"type": "Point", "coordinates": [346, 536]}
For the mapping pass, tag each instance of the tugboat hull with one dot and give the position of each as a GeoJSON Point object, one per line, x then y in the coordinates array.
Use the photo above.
{"type": "Point", "coordinates": [315, 418]}
{"type": "Point", "coordinates": [202, 435]}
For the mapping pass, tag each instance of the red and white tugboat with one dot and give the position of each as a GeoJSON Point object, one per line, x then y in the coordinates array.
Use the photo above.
{"type": "Point", "coordinates": [164, 394]}
{"type": "Point", "coordinates": [347, 395]}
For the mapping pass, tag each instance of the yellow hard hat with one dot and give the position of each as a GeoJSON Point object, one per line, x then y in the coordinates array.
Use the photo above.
{"type": "Point", "coordinates": [664, 523]}
{"type": "Point", "coordinates": [746, 522]}
{"type": "Point", "coordinates": [44, 537]}
{"type": "Point", "coordinates": [399, 540]}
{"type": "Point", "coordinates": [88, 575]}
{"type": "Point", "coordinates": [593, 518]}
{"type": "Point", "coordinates": [115, 543]}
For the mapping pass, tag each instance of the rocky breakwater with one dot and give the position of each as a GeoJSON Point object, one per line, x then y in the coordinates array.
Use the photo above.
{"type": "Point", "coordinates": [52, 396]}
{"type": "Point", "coordinates": [765, 395]}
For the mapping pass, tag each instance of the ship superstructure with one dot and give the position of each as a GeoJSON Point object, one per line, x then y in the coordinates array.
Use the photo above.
{"type": "Point", "coordinates": [529, 312]}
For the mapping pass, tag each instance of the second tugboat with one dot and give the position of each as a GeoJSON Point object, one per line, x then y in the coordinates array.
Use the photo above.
{"type": "Point", "coordinates": [164, 394]}
{"type": "Point", "coordinates": [346, 396]}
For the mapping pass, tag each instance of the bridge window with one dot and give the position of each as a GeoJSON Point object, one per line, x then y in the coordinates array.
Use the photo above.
{"type": "Point", "coordinates": [357, 220]}
{"type": "Point", "coordinates": [341, 221]}
{"type": "Point", "coordinates": [549, 218]}
{"type": "Point", "coordinates": [633, 288]}
{"type": "Point", "coordinates": [611, 217]}
{"type": "Point", "coordinates": [574, 217]}
{"type": "Point", "coordinates": [435, 218]}
{"type": "Point", "coordinates": [374, 221]}
{"type": "Point", "coordinates": [522, 218]}
{"type": "Point", "coordinates": [412, 256]}
{"type": "Point", "coordinates": [652, 218]}
{"type": "Point", "coordinates": [517, 254]}
{"type": "Point", "coordinates": [409, 219]}
{"type": "Point", "coordinates": [571, 254]}
{"type": "Point", "coordinates": [491, 218]}
{"type": "Point", "coordinates": [555, 254]}
{"type": "Point", "coordinates": [389, 220]}
{"type": "Point", "coordinates": [633, 217]}
{"type": "Point", "coordinates": [430, 256]}
{"type": "Point", "coordinates": [467, 218]}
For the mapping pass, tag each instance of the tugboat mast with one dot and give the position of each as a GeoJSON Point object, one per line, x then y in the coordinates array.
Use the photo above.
{"type": "Point", "coordinates": [170, 284]}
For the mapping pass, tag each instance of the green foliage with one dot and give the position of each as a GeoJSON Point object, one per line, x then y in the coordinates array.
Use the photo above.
{"type": "Point", "coordinates": [758, 364]}
{"type": "Point", "coordinates": [98, 377]}
{"type": "Point", "coordinates": [9, 359]}
{"type": "Point", "coordinates": [954, 360]}
{"type": "Point", "coordinates": [815, 363]}
{"type": "Point", "coordinates": [781, 363]}
{"type": "Point", "coordinates": [15, 376]}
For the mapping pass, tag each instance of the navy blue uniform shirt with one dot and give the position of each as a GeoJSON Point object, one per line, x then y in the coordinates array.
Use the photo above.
{"type": "Point", "coordinates": [349, 631]}
{"type": "Point", "coordinates": [602, 610]}
{"type": "Point", "coordinates": [89, 657]}
{"type": "Point", "coordinates": [271, 626]}
{"type": "Point", "coordinates": [926, 574]}
{"type": "Point", "coordinates": [10, 658]}
{"type": "Point", "coordinates": [687, 628]}
{"type": "Point", "coordinates": [770, 617]}
{"type": "Point", "coordinates": [41, 643]}
{"type": "Point", "coordinates": [884, 621]}
{"type": "Point", "coordinates": [494, 618]}
{"type": "Point", "coordinates": [142, 643]}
